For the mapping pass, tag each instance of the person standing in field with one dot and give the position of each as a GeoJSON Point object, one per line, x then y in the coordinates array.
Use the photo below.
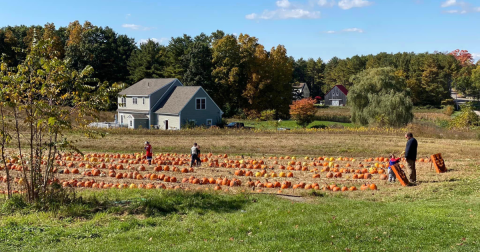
{"type": "Point", "coordinates": [199, 156]}
{"type": "Point", "coordinates": [148, 149]}
{"type": "Point", "coordinates": [195, 152]}
{"type": "Point", "coordinates": [411, 157]}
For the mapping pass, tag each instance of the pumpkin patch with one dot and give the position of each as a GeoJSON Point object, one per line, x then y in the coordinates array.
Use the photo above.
{"type": "Point", "coordinates": [97, 171]}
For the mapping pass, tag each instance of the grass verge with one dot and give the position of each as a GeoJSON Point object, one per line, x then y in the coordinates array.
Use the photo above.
{"type": "Point", "coordinates": [133, 220]}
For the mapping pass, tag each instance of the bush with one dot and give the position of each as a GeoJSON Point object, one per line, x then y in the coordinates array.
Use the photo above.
{"type": "Point", "coordinates": [466, 119]}
{"type": "Point", "coordinates": [448, 110]}
{"type": "Point", "coordinates": [447, 102]}
{"type": "Point", "coordinates": [222, 123]}
{"type": "Point", "coordinates": [318, 126]}
{"type": "Point", "coordinates": [267, 115]}
{"type": "Point", "coordinates": [303, 111]}
{"type": "Point", "coordinates": [442, 123]}
{"type": "Point", "coordinates": [252, 114]}
{"type": "Point", "coordinates": [189, 125]}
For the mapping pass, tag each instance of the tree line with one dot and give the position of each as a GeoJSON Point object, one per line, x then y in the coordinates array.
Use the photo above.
{"type": "Point", "coordinates": [428, 76]}
{"type": "Point", "coordinates": [241, 75]}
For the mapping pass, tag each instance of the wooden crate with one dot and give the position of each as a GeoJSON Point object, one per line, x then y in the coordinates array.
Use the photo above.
{"type": "Point", "coordinates": [438, 162]}
{"type": "Point", "coordinates": [400, 174]}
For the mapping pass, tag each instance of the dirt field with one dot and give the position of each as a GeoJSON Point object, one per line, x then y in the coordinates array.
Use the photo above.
{"type": "Point", "coordinates": [121, 170]}
{"type": "Point", "coordinates": [258, 144]}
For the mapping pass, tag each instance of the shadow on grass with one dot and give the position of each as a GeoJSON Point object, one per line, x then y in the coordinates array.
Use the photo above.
{"type": "Point", "coordinates": [183, 202]}
{"type": "Point", "coordinates": [153, 203]}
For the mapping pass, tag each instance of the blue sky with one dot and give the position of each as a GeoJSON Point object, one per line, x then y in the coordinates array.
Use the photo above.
{"type": "Point", "coordinates": [307, 28]}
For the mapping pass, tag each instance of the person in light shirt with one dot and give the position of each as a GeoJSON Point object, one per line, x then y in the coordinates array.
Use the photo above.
{"type": "Point", "coordinates": [195, 151]}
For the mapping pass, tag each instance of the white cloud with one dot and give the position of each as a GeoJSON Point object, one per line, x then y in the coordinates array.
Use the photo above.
{"type": "Point", "coordinates": [283, 3]}
{"type": "Point", "coordinates": [326, 3]}
{"type": "Point", "coordinates": [462, 7]}
{"type": "Point", "coordinates": [448, 3]}
{"type": "Point", "coordinates": [285, 14]}
{"type": "Point", "coordinates": [128, 15]}
{"type": "Point", "coordinates": [358, 30]}
{"type": "Point", "coordinates": [353, 30]}
{"type": "Point", "coordinates": [251, 16]}
{"type": "Point", "coordinates": [136, 27]}
{"type": "Point", "coordinates": [476, 56]}
{"type": "Point", "coordinates": [292, 10]}
{"type": "Point", "coordinates": [348, 4]}
{"type": "Point", "coordinates": [160, 41]}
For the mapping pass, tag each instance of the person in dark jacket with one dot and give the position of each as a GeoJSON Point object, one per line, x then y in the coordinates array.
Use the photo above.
{"type": "Point", "coordinates": [411, 157]}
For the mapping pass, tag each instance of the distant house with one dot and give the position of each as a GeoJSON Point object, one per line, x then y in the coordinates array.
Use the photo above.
{"type": "Point", "coordinates": [337, 96]}
{"type": "Point", "coordinates": [166, 104]}
{"type": "Point", "coordinates": [300, 91]}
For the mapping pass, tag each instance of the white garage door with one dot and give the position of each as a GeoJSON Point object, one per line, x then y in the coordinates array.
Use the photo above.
{"type": "Point", "coordinates": [335, 103]}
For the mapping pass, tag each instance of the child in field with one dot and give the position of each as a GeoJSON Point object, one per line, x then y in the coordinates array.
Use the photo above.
{"type": "Point", "coordinates": [148, 149]}
{"type": "Point", "coordinates": [391, 174]}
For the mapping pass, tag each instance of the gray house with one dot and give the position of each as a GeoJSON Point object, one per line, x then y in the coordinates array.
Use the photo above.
{"type": "Point", "coordinates": [166, 104]}
{"type": "Point", "coordinates": [300, 91]}
{"type": "Point", "coordinates": [337, 96]}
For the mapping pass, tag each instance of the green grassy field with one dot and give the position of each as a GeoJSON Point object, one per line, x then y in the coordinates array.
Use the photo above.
{"type": "Point", "coordinates": [135, 220]}
{"type": "Point", "coordinates": [290, 124]}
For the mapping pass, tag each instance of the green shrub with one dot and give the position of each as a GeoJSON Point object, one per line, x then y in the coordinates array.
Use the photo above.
{"type": "Point", "coordinates": [448, 110]}
{"type": "Point", "coordinates": [466, 119]}
{"type": "Point", "coordinates": [189, 125]}
{"type": "Point", "coordinates": [442, 123]}
{"type": "Point", "coordinates": [318, 126]}
{"type": "Point", "coordinates": [448, 102]}
{"type": "Point", "coordinates": [222, 123]}
{"type": "Point", "coordinates": [267, 115]}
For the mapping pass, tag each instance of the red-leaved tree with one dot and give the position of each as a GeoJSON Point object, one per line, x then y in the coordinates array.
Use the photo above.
{"type": "Point", "coordinates": [303, 111]}
{"type": "Point", "coordinates": [463, 56]}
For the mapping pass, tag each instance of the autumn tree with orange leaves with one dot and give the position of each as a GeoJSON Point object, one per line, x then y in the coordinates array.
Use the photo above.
{"type": "Point", "coordinates": [463, 56]}
{"type": "Point", "coordinates": [303, 111]}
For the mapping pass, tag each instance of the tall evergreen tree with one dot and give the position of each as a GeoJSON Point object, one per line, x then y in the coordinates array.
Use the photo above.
{"type": "Point", "coordinates": [147, 62]}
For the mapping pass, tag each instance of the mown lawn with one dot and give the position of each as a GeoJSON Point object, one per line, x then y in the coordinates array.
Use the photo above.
{"type": "Point", "coordinates": [290, 124]}
{"type": "Point", "coordinates": [444, 217]}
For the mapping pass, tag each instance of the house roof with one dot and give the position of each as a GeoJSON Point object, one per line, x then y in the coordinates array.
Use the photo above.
{"type": "Point", "coordinates": [146, 86]}
{"type": "Point", "coordinates": [139, 116]}
{"type": "Point", "coordinates": [122, 109]}
{"type": "Point", "coordinates": [177, 100]}
{"type": "Point", "coordinates": [341, 87]}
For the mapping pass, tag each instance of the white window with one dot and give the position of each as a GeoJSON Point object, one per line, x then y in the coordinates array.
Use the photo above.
{"type": "Point", "coordinates": [143, 100]}
{"type": "Point", "coordinates": [131, 123]}
{"type": "Point", "coordinates": [123, 102]}
{"type": "Point", "coordinates": [209, 122]}
{"type": "Point", "coordinates": [201, 104]}
{"type": "Point", "coordinates": [121, 119]}
{"type": "Point", "coordinates": [134, 100]}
